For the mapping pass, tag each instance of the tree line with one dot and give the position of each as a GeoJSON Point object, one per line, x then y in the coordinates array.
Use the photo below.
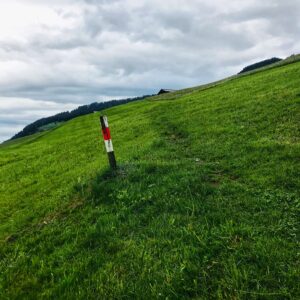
{"type": "Point", "coordinates": [68, 115]}
{"type": "Point", "coordinates": [261, 64]}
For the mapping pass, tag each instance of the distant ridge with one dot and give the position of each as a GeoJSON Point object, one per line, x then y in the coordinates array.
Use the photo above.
{"type": "Point", "coordinates": [52, 121]}
{"type": "Point", "coordinates": [261, 64]}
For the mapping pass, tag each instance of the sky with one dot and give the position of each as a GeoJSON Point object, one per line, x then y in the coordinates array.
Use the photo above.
{"type": "Point", "coordinates": [59, 54]}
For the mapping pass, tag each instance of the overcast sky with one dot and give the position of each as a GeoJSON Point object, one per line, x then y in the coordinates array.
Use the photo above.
{"type": "Point", "coordinates": [58, 54]}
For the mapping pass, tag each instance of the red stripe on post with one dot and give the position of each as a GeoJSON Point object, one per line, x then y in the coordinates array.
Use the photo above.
{"type": "Point", "coordinates": [106, 134]}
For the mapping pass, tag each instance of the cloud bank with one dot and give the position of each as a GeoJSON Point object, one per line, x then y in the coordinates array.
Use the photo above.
{"type": "Point", "coordinates": [56, 55]}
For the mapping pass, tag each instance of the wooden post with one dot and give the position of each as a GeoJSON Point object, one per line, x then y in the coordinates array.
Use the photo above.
{"type": "Point", "coordinates": [108, 142]}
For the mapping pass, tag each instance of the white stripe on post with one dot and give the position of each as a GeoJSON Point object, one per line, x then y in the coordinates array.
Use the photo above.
{"type": "Point", "coordinates": [109, 146]}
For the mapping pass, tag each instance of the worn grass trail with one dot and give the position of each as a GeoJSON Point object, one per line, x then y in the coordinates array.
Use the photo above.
{"type": "Point", "coordinates": [205, 203]}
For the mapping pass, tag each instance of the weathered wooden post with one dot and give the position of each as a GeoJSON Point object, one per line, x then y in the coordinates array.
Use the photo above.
{"type": "Point", "coordinates": [108, 142]}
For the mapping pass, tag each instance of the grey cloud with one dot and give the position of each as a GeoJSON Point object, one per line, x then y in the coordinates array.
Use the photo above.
{"type": "Point", "coordinates": [282, 17]}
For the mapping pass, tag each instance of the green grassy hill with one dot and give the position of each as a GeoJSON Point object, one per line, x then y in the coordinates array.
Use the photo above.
{"type": "Point", "coordinates": [205, 203]}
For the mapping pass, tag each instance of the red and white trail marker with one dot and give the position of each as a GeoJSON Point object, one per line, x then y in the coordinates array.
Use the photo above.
{"type": "Point", "coordinates": [108, 142]}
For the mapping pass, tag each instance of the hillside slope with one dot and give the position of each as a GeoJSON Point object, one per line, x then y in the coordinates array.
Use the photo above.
{"type": "Point", "coordinates": [205, 203]}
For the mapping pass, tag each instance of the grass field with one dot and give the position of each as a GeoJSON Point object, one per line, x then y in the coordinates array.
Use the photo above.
{"type": "Point", "coordinates": [205, 203]}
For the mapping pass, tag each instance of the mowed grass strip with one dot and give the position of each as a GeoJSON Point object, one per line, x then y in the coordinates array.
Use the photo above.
{"type": "Point", "coordinates": [205, 203]}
